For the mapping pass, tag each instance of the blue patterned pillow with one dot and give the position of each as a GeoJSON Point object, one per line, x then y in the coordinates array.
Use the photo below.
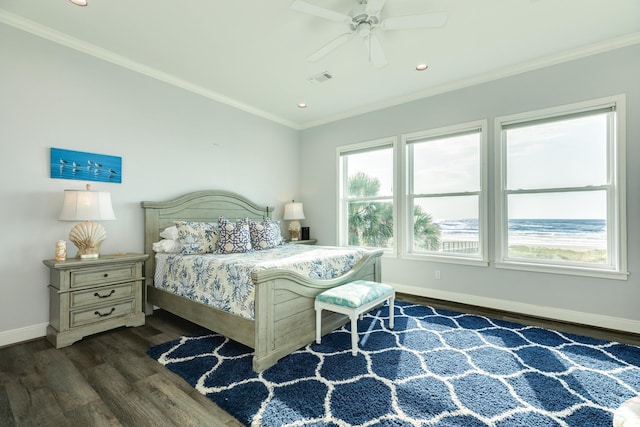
{"type": "Point", "coordinates": [233, 238]}
{"type": "Point", "coordinates": [265, 234]}
{"type": "Point", "coordinates": [197, 237]}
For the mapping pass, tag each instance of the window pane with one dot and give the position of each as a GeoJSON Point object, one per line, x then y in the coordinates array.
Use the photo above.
{"type": "Point", "coordinates": [563, 227]}
{"type": "Point", "coordinates": [566, 153]}
{"type": "Point", "coordinates": [448, 225]}
{"type": "Point", "coordinates": [447, 165]}
{"type": "Point", "coordinates": [370, 173]}
{"type": "Point", "coordinates": [370, 224]}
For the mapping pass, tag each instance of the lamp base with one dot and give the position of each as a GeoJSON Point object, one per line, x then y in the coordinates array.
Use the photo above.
{"type": "Point", "coordinates": [88, 236]}
{"type": "Point", "coordinates": [294, 229]}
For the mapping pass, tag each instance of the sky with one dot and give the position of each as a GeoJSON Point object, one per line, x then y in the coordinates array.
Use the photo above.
{"type": "Point", "coordinates": [571, 153]}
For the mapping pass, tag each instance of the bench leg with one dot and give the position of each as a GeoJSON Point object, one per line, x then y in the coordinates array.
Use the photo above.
{"type": "Point", "coordinates": [318, 325]}
{"type": "Point", "coordinates": [354, 334]}
{"type": "Point", "coordinates": [391, 312]}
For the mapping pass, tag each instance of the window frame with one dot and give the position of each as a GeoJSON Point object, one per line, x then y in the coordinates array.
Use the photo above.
{"type": "Point", "coordinates": [615, 189]}
{"type": "Point", "coordinates": [482, 259]}
{"type": "Point", "coordinates": [342, 209]}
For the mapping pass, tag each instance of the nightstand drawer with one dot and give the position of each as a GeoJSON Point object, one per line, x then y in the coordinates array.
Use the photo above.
{"type": "Point", "coordinates": [87, 296]}
{"type": "Point", "coordinates": [83, 317]}
{"type": "Point", "coordinates": [101, 295]}
{"type": "Point", "coordinates": [98, 276]}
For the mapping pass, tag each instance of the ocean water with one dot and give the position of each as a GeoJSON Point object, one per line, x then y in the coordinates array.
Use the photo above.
{"type": "Point", "coordinates": [560, 233]}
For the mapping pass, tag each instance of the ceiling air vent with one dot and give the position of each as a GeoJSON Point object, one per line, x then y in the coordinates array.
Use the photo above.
{"type": "Point", "coordinates": [320, 78]}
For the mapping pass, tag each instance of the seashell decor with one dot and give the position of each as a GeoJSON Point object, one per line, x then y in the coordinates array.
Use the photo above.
{"type": "Point", "coordinates": [88, 236]}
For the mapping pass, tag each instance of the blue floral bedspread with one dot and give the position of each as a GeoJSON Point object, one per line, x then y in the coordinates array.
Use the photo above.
{"type": "Point", "coordinates": [224, 281]}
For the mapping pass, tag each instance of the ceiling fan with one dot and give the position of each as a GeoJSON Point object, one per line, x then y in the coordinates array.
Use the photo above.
{"type": "Point", "coordinates": [363, 20]}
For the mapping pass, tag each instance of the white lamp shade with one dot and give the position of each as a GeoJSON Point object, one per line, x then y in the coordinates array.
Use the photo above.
{"type": "Point", "coordinates": [293, 211]}
{"type": "Point", "coordinates": [86, 206]}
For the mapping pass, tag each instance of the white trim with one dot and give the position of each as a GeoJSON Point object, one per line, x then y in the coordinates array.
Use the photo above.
{"type": "Point", "coordinates": [578, 317]}
{"type": "Point", "coordinates": [509, 71]}
{"type": "Point", "coordinates": [341, 154]}
{"type": "Point", "coordinates": [481, 126]}
{"type": "Point", "coordinates": [23, 334]}
{"type": "Point", "coordinates": [448, 259]}
{"type": "Point", "coordinates": [106, 55]}
{"type": "Point", "coordinates": [616, 208]}
{"type": "Point", "coordinates": [563, 269]}
{"type": "Point", "coordinates": [570, 55]}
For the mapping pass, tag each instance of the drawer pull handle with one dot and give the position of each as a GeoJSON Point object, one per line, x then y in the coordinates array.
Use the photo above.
{"type": "Point", "coordinates": [104, 296]}
{"type": "Point", "coordinates": [105, 314]}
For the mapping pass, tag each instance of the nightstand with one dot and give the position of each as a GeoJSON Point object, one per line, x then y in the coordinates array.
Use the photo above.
{"type": "Point", "coordinates": [303, 242]}
{"type": "Point", "coordinates": [91, 296]}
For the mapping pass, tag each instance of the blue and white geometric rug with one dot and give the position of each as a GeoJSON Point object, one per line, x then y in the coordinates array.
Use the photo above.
{"type": "Point", "coordinates": [436, 368]}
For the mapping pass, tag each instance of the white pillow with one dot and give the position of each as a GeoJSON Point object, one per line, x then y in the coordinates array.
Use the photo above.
{"type": "Point", "coordinates": [167, 246]}
{"type": "Point", "coordinates": [170, 233]}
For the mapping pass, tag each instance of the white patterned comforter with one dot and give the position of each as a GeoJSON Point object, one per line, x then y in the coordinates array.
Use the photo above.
{"type": "Point", "coordinates": [224, 281]}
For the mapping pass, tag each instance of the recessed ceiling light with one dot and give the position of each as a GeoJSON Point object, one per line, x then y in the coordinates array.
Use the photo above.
{"type": "Point", "coordinates": [302, 105]}
{"type": "Point", "coordinates": [79, 2]}
{"type": "Point", "coordinates": [421, 67]}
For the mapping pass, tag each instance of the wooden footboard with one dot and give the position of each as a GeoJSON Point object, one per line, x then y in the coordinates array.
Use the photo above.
{"type": "Point", "coordinates": [284, 308]}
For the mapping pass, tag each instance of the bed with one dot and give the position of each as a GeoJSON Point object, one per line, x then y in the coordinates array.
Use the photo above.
{"type": "Point", "coordinates": [284, 316]}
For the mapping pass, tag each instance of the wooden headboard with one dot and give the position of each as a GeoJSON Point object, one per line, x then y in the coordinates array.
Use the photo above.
{"type": "Point", "coordinates": [200, 206]}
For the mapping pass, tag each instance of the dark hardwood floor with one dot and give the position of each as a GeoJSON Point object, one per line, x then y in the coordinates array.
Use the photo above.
{"type": "Point", "coordinates": [103, 380]}
{"type": "Point", "coordinates": [108, 380]}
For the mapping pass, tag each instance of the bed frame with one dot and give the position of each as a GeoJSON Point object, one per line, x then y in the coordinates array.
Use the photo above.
{"type": "Point", "coordinates": [284, 311]}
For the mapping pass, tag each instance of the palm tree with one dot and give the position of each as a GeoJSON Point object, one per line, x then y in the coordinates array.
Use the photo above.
{"type": "Point", "coordinates": [426, 234]}
{"type": "Point", "coordinates": [371, 223]}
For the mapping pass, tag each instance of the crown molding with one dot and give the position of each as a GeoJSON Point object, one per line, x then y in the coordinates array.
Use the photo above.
{"type": "Point", "coordinates": [547, 61]}
{"type": "Point", "coordinates": [106, 55]}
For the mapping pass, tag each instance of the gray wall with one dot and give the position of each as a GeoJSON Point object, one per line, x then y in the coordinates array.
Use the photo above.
{"type": "Point", "coordinates": [171, 141]}
{"type": "Point", "coordinates": [609, 303]}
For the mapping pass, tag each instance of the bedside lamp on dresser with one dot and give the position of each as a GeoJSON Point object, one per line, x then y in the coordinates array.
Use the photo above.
{"type": "Point", "coordinates": [293, 212]}
{"type": "Point", "coordinates": [87, 206]}
{"type": "Point", "coordinates": [92, 293]}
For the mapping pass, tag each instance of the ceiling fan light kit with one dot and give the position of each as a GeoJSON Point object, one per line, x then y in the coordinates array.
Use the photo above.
{"type": "Point", "coordinates": [364, 20]}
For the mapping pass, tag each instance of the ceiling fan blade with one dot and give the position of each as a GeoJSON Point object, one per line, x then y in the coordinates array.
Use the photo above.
{"type": "Point", "coordinates": [375, 51]}
{"type": "Point", "coordinates": [312, 9]}
{"type": "Point", "coordinates": [333, 44]}
{"type": "Point", "coordinates": [427, 20]}
{"type": "Point", "coordinates": [374, 6]}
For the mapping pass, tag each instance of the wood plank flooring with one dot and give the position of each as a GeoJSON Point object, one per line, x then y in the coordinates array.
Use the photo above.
{"type": "Point", "coordinates": [103, 380]}
{"type": "Point", "coordinates": [108, 380]}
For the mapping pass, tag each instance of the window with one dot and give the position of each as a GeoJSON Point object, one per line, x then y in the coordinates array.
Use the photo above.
{"type": "Point", "coordinates": [367, 213]}
{"type": "Point", "coordinates": [446, 204]}
{"type": "Point", "coordinates": [561, 178]}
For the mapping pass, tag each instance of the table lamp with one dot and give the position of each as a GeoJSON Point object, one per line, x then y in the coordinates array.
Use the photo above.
{"type": "Point", "coordinates": [87, 206]}
{"type": "Point", "coordinates": [293, 212]}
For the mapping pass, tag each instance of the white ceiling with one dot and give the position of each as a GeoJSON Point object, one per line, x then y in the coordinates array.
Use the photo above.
{"type": "Point", "coordinates": [251, 53]}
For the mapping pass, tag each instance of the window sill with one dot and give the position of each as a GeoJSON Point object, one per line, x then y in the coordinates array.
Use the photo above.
{"type": "Point", "coordinates": [573, 271]}
{"type": "Point", "coordinates": [447, 259]}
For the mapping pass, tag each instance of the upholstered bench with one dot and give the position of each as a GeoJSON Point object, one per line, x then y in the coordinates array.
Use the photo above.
{"type": "Point", "coordinates": [353, 299]}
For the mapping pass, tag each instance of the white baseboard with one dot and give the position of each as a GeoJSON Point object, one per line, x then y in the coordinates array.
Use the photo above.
{"type": "Point", "coordinates": [23, 334]}
{"type": "Point", "coordinates": [590, 319]}
{"type": "Point", "coordinates": [616, 323]}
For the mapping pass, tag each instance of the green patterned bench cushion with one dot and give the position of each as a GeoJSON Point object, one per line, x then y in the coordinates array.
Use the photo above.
{"type": "Point", "coordinates": [355, 294]}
